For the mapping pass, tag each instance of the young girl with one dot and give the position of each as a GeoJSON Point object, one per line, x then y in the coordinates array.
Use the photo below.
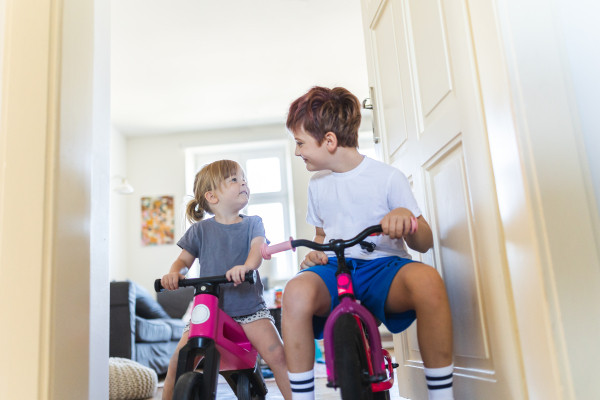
{"type": "Point", "coordinates": [228, 243]}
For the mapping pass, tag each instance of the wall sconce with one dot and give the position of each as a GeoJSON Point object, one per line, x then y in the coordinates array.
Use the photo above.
{"type": "Point", "coordinates": [124, 187]}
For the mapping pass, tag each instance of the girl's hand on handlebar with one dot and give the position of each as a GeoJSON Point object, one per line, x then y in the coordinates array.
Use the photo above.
{"type": "Point", "coordinates": [171, 280]}
{"type": "Point", "coordinates": [397, 223]}
{"type": "Point", "coordinates": [314, 258]}
{"type": "Point", "coordinates": [237, 274]}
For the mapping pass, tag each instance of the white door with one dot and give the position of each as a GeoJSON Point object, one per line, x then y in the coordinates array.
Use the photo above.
{"type": "Point", "coordinates": [428, 116]}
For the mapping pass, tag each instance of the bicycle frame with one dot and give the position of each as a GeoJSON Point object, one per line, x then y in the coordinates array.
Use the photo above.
{"type": "Point", "coordinates": [381, 378]}
{"type": "Point", "coordinates": [215, 337]}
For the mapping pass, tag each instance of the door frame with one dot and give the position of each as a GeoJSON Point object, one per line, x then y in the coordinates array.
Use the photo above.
{"type": "Point", "coordinates": [54, 136]}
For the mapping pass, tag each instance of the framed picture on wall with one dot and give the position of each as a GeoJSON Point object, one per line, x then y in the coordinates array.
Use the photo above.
{"type": "Point", "coordinates": [158, 221]}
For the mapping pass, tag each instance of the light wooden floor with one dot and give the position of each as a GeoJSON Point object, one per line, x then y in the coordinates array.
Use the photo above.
{"type": "Point", "coordinates": [322, 392]}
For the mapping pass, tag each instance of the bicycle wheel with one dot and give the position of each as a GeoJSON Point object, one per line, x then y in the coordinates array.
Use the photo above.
{"type": "Point", "coordinates": [245, 390]}
{"type": "Point", "coordinates": [351, 368]}
{"type": "Point", "coordinates": [188, 387]}
{"type": "Point", "coordinates": [384, 395]}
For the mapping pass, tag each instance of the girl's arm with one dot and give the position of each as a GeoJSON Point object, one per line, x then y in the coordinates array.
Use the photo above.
{"type": "Point", "coordinates": [171, 280]}
{"type": "Point", "coordinates": [237, 273]}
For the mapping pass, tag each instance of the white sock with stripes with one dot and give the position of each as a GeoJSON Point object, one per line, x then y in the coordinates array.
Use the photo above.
{"type": "Point", "coordinates": [303, 385]}
{"type": "Point", "coordinates": [439, 382]}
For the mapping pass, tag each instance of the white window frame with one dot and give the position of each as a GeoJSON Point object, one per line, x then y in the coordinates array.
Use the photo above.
{"type": "Point", "coordinates": [196, 157]}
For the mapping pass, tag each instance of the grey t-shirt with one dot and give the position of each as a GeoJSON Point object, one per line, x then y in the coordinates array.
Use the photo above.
{"type": "Point", "coordinates": [219, 248]}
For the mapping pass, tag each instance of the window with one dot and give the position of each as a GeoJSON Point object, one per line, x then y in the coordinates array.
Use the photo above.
{"type": "Point", "coordinates": [267, 167]}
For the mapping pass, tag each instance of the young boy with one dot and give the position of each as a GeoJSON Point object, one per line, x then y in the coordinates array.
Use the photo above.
{"type": "Point", "coordinates": [348, 194]}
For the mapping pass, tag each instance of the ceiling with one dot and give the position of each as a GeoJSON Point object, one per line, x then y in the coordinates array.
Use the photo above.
{"type": "Point", "coordinates": [186, 65]}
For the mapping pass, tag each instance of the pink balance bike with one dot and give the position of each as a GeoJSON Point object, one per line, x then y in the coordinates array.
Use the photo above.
{"type": "Point", "coordinates": [354, 358]}
{"type": "Point", "coordinates": [221, 342]}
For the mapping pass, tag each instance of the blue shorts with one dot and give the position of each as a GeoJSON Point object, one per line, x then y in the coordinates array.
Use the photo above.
{"type": "Point", "coordinates": [372, 280]}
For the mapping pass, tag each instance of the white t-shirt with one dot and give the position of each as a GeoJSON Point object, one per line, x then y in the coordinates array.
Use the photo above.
{"type": "Point", "coordinates": [344, 204]}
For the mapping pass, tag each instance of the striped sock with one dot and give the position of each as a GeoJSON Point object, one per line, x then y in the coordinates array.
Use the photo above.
{"type": "Point", "coordinates": [439, 382]}
{"type": "Point", "coordinates": [303, 385]}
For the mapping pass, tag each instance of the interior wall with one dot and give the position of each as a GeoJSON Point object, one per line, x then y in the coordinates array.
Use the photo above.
{"type": "Point", "coordinates": [156, 167]}
{"type": "Point", "coordinates": [100, 206]}
{"type": "Point", "coordinates": [118, 208]}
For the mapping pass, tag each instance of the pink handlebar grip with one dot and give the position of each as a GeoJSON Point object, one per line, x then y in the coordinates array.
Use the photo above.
{"type": "Point", "coordinates": [266, 251]}
{"type": "Point", "coordinates": [414, 225]}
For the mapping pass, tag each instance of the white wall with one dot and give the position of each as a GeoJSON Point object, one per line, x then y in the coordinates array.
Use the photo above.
{"type": "Point", "coordinates": [156, 167]}
{"type": "Point", "coordinates": [118, 208]}
{"type": "Point", "coordinates": [581, 32]}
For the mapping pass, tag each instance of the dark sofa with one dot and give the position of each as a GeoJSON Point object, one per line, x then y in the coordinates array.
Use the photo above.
{"type": "Point", "coordinates": [143, 329]}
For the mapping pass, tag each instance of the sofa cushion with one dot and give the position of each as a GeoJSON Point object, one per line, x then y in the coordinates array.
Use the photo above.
{"type": "Point", "coordinates": [152, 330]}
{"type": "Point", "coordinates": [145, 305]}
{"type": "Point", "coordinates": [177, 326]}
{"type": "Point", "coordinates": [176, 302]}
{"type": "Point", "coordinates": [156, 355]}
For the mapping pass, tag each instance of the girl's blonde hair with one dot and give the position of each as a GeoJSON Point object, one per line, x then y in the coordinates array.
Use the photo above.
{"type": "Point", "coordinates": [209, 178]}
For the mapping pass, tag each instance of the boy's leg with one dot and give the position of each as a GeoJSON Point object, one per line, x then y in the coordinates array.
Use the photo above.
{"type": "Point", "coordinates": [305, 295]}
{"type": "Point", "coordinates": [419, 287]}
{"type": "Point", "coordinates": [264, 337]}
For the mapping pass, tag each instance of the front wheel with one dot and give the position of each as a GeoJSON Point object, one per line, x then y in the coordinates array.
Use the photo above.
{"type": "Point", "coordinates": [350, 363]}
{"type": "Point", "coordinates": [245, 390]}
{"type": "Point", "coordinates": [188, 386]}
{"type": "Point", "coordinates": [383, 395]}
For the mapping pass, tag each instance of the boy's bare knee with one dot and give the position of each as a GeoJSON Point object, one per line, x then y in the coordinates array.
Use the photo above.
{"type": "Point", "coordinates": [427, 286]}
{"type": "Point", "coordinates": [299, 297]}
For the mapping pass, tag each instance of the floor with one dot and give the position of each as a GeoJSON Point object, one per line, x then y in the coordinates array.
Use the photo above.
{"type": "Point", "coordinates": [322, 392]}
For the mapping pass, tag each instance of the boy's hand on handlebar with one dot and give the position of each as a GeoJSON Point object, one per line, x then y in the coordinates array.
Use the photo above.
{"type": "Point", "coordinates": [171, 280]}
{"type": "Point", "coordinates": [397, 223]}
{"type": "Point", "coordinates": [314, 258]}
{"type": "Point", "coordinates": [237, 274]}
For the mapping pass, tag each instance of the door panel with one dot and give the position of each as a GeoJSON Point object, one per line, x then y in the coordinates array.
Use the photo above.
{"type": "Point", "coordinates": [431, 56]}
{"type": "Point", "coordinates": [390, 104]}
{"type": "Point", "coordinates": [456, 254]}
{"type": "Point", "coordinates": [420, 55]}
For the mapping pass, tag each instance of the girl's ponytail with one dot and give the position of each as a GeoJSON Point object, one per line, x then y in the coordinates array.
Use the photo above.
{"type": "Point", "coordinates": [194, 212]}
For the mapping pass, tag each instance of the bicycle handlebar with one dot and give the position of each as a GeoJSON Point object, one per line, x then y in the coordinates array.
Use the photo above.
{"type": "Point", "coordinates": [266, 251]}
{"type": "Point", "coordinates": [250, 277]}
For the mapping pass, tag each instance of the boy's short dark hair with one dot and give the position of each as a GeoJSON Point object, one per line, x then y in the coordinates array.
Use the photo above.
{"type": "Point", "coordinates": [323, 110]}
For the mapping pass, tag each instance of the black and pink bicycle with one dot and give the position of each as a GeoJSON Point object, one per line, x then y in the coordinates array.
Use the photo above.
{"type": "Point", "coordinates": [221, 343]}
{"type": "Point", "coordinates": [354, 357]}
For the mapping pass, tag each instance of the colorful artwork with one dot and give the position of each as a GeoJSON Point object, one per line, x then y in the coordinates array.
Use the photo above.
{"type": "Point", "coordinates": [158, 220]}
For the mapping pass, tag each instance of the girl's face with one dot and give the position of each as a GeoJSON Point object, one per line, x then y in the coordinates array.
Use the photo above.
{"type": "Point", "coordinates": [234, 192]}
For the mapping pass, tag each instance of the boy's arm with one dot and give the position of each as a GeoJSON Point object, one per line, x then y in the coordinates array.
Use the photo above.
{"type": "Point", "coordinates": [319, 235]}
{"type": "Point", "coordinates": [397, 224]}
{"type": "Point", "coordinates": [315, 257]}
{"type": "Point", "coordinates": [422, 239]}
{"type": "Point", "coordinates": [237, 273]}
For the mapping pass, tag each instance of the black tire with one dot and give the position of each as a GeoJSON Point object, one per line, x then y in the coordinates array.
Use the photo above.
{"type": "Point", "coordinates": [351, 368]}
{"type": "Point", "coordinates": [245, 390]}
{"type": "Point", "coordinates": [188, 387]}
{"type": "Point", "coordinates": [384, 395]}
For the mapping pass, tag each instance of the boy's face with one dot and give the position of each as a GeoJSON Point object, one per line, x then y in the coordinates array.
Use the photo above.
{"type": "Point", "coordinates": [313, 154]}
